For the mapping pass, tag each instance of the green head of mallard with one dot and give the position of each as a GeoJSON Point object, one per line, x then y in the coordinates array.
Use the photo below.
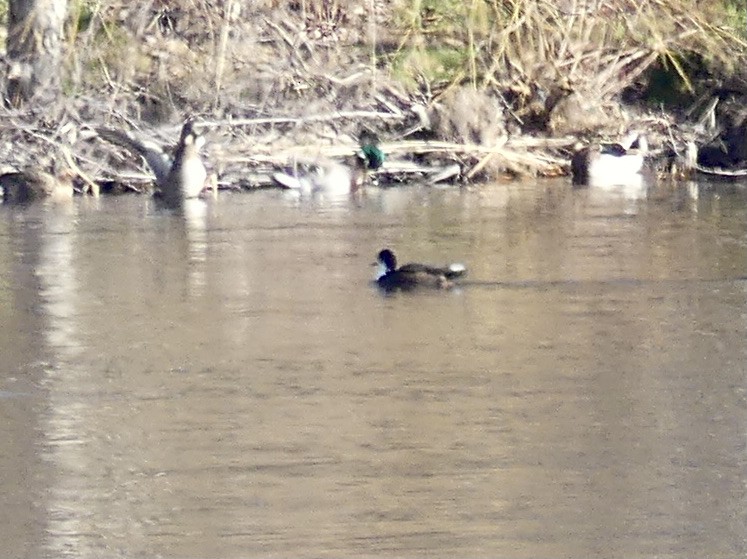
{"type": "Point", "coordinates": [370, 153]}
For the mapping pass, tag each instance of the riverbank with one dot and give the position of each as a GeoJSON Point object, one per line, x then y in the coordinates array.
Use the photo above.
{"type": "Point", "coordinates": [499, 91]}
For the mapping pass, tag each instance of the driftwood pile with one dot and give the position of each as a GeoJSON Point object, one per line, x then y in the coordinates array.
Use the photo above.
{"type": "Point", "coordinates": [244, 153]}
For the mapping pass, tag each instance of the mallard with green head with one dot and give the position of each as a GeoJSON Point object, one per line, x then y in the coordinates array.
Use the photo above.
{"type": "Point", "coordinates": [333, 177]}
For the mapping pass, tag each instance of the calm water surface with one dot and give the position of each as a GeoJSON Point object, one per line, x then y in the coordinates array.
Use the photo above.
{"type": "Point", "coordinates": [228, 383]}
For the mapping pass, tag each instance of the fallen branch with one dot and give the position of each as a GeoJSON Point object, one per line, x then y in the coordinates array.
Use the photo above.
{"type": "Point", "coordinates": [341, 115]}
{"type": "Point", "coordinates": [717, 172]}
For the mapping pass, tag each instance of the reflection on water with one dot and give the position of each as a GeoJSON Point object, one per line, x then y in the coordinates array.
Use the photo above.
{"type": "Point", "coordinates": [226, 381]}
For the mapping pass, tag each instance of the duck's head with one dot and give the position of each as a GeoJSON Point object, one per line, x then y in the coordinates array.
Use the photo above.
{"type": "Point", "coordinates": [370, 154]}
{"type": "Point", "coordinates": [640, 144]}
{"type": "Point", "coordinates": [190, 137]}
{"type": "Point", "coordinates": [635, 140]}
{"type": "Point", "coordinates": [371, 157]}
{"type": "Point", "coordinates": [387, 262]}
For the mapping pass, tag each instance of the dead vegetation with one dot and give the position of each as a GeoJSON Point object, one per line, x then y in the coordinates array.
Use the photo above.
{"type": "Point", "coordinates": [498, 87]}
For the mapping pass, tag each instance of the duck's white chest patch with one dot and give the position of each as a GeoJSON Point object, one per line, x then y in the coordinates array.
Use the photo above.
{"type": "Point", "coordinates": [194, 176]}
{"type": "Point", "coordinates": [381, 270]}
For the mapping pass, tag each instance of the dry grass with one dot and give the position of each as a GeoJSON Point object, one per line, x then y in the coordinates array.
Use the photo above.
{"type": "Point", "coordinates": [531, 51]}
{"type": "Point", "coordinates": [258, 57]}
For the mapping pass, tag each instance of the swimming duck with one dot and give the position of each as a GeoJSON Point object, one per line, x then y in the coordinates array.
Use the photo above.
{"type": "Point", "coordinates": [25, 186]}
{"type": "Point", "coordinates": [332, 177]}
{"type": "Point", "coordinates": [611, 165]}
{"type": "Point", "coordinates": [178, 177]}
{"type": "Point", "coordinates": [410, 276]}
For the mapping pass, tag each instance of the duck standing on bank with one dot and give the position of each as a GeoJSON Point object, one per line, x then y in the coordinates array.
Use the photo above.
{"type": "Point", "coordinates": [411, 276]}
{"type": "Point", "coordinates": [332, 177]}
{"type": "Point", "coordinates": [612, 165]}
{"type": "Point", "coordinates": [179, 177]}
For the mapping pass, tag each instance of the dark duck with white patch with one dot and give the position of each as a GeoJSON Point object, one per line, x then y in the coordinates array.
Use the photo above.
{"type": "Point", "coordinates": [412, 275]}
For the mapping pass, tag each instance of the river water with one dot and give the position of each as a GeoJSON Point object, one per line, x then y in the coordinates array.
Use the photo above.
{"type": "Point", "coordinates": [229, 383]}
